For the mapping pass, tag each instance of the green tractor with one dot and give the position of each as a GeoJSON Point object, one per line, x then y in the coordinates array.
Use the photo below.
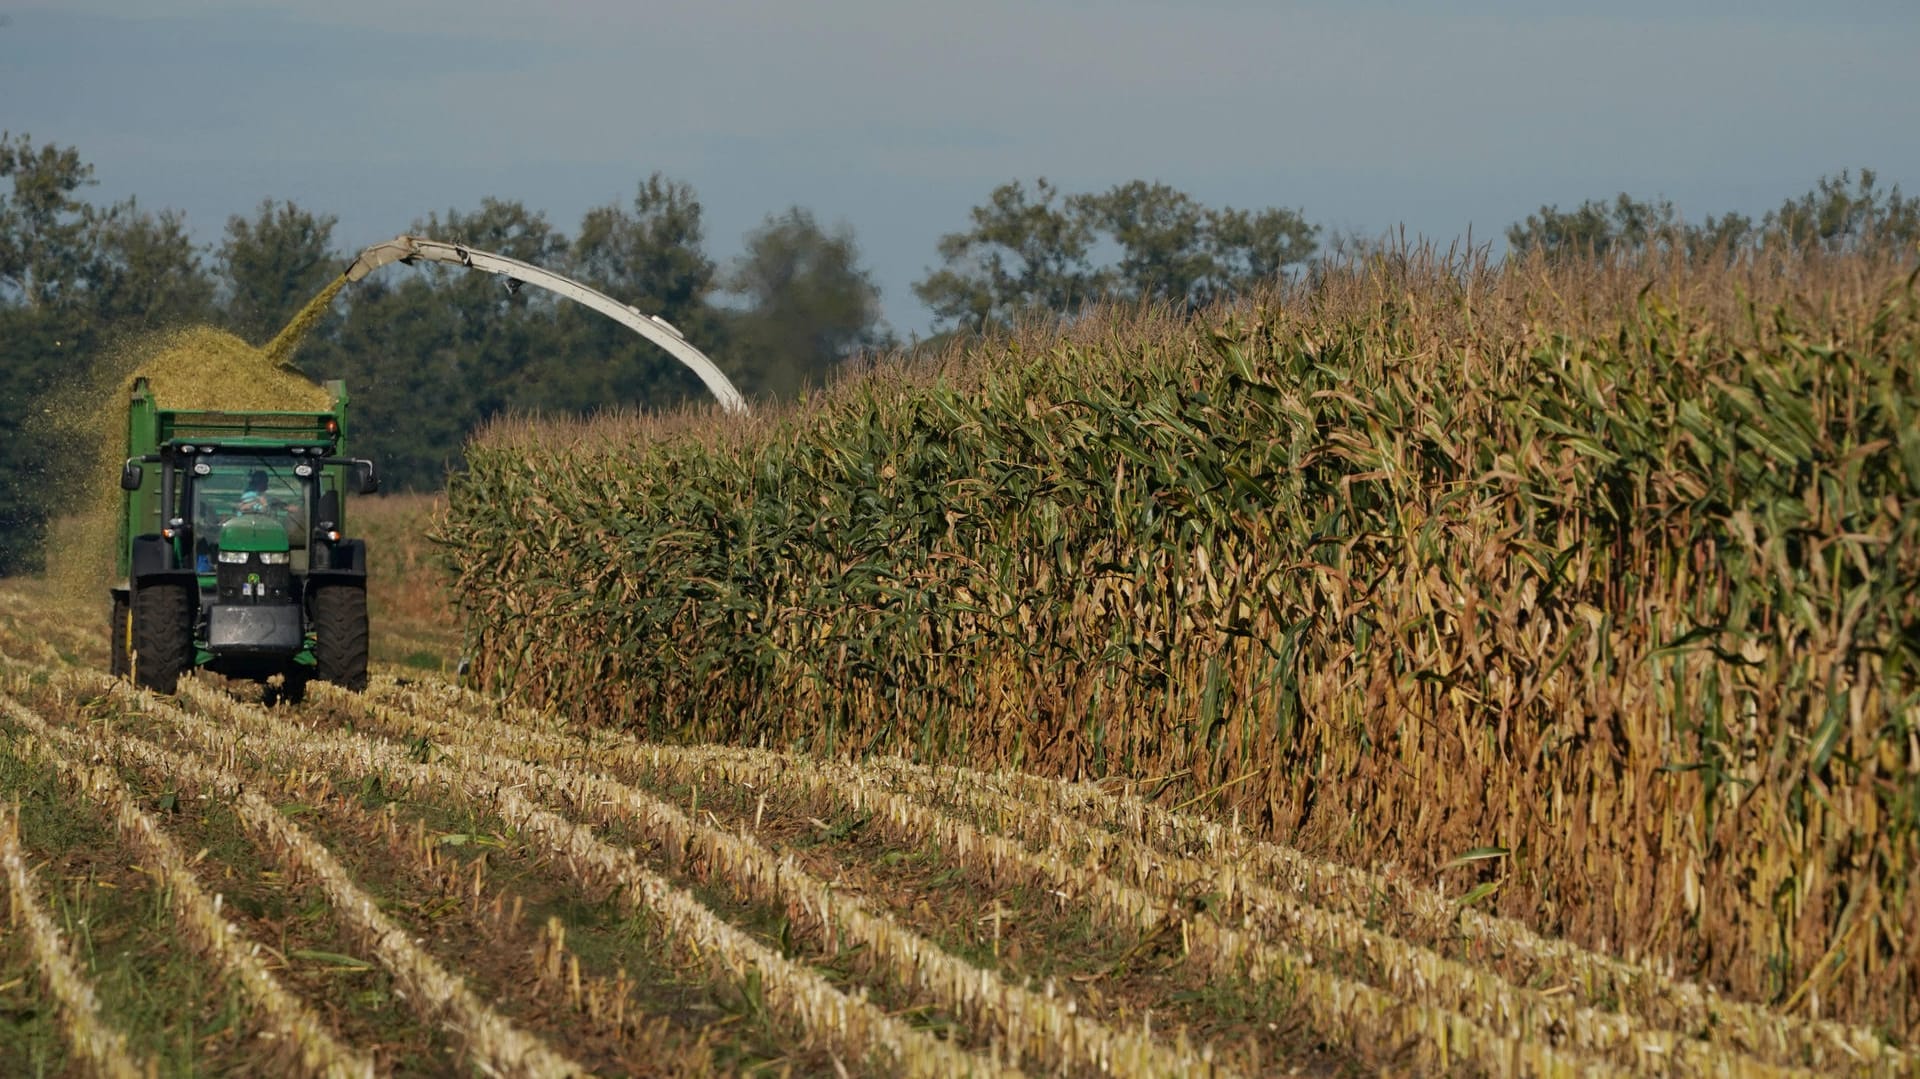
{"type": "Point", "coordinates": [234, 553]}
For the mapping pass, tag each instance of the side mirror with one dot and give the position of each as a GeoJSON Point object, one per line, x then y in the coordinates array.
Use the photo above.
{"type": "Point", "coordinates": [131, 476]}
{"type": "Point", "coordinates": [365, 480]}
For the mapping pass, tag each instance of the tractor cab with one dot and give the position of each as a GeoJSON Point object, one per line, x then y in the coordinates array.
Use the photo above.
{"type": "Point", "coordinates": [250, 535]}
{"type": "Point", "coordinates": [250, 503]}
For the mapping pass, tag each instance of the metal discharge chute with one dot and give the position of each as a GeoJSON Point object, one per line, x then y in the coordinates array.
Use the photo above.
{"type": "Point", "coordinates": [412, 249]}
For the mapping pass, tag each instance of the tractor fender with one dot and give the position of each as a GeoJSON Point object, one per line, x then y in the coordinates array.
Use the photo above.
{"type": "Point", "coordinates": [149, 563]}
{"type": "Point", "coordinates": [346, 561]}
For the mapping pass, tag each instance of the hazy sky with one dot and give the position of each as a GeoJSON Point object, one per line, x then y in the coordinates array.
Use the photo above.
{"type": "Point", "coordinates": [895, 117]}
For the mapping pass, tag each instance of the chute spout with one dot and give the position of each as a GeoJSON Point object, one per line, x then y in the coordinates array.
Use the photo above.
{"type": "Point", "coordinates": [410, 249]}
{"type": "Point", "coordinates": [398, 249]}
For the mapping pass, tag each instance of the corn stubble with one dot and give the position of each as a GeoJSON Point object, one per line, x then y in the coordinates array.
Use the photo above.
{"type": "Point", "coordinates": [1602, 574]}
{"type": "Point", "coordinates": [1134, 863]}
{"type": "Point", "coordinates": [848, 1020]}
{"type": "Point", "coordinates": [1123, 860]}
{"type": "Point", "coordinates": [93, 1037]}
{"type": "Point", "coordinates": [1035, 1029]}
{"type": "Point", "coordinates": [197, 912]}
{"type": "Point", "coordinates": [495, 1042]}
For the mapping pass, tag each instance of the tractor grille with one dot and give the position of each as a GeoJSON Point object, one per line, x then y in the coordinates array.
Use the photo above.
{"type": "Point", "coordinates": [253, 581]}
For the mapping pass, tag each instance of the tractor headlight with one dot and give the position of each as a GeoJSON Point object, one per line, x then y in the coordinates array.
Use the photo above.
{"type": "Point", "coordinates": [233, 556]}
{"type": "Point", "coordinates": [273, 558]}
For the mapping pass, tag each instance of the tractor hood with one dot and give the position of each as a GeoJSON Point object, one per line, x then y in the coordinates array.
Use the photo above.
{"type": "Point", "coordinates": [253, 534]}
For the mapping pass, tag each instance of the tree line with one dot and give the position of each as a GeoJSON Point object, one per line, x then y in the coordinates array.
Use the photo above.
{"type": "Point", "coordinates": [431, 353]}
{"type": "Point", "coordinates": [1844, 212]}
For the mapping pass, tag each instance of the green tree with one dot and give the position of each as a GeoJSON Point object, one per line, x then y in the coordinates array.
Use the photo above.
{"type": "Point", "coordinates": [486, 306]}
{"type": "Point", "coordinates": [412, 380]}
{"type": "Point", "coordinates": [145, 272]}
{"type": "Point", "coordinates": [40, 349]}
{"type": "Point", "coordinates": [273, 263]}
{"type": "Point", "coordinates": [1036, 254]}
{"type": "Point", "coordinates": [47, 331]}
{"type": "Point", "coordinates": [432, 351]}
{"type": "Point", "coordinates": [1252, 247]}
{"type": "Point", "coordinates": [1163, 236]}
{"type": "Point", "coordinates": [809, 304]}
{"type": "Point", "coordinates": [44, 228]}
{"type": "Point", "coordinates": [1023, 253]}
{"type": "Point", "coordinates": [1723, 237]}
{"type": "Point", "coordinates": [650, 257]}
{"type": "Point", "coordinates": [505, 337]}
{"type": "Point", "coordinates": [1629, 226]}
{"type": "Point", "coordinates": [1595, 228]}
{"type": "Point", "coordinates": [505, 227]}
{"type": "Point", "coordinates": [1842, 214]}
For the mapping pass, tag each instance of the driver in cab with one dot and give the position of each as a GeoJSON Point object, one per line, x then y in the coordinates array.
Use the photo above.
{"type": "Point", "coordinates": [260, 499]}
{"type": "Point", "coordinates": [254, 498]}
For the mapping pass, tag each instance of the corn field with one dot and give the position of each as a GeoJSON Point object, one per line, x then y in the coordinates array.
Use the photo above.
{"type": "Point", "coordinates": [1426, 668]}
{"type": "Point", "coordinates": [1577, 597]}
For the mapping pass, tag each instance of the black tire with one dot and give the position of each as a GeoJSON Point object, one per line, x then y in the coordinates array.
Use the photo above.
{"type": "Point", "coordinates": [340, 635]}
{"type": "Point", "coordinates": [162, 635]}
{"type": "Point", "coordinates": [119, 628]}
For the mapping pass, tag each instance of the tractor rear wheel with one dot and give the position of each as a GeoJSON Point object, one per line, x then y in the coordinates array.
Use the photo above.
{"type": "Point", "coordinates": [162, 634]}
{"type": "Point", "coordinates": [340, 635]}
{"type": "Point", "coordinates": [119, 628]}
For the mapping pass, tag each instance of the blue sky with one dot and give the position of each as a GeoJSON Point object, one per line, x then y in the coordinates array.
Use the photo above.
{"type": "Point", "coordinates": [895, 117]}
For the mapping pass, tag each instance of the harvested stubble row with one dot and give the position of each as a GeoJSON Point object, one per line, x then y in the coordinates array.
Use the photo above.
{"type": "Point", "coordinates": [605, 1001]}
{"type": "Point", "coordinates": [318, 1053]}
{"type": "Point", "coordinates": [849, 1021]}
{"type": "Point", "coordinates": [1258, 930]}
{"type": "Point", "coordinates": [1606, 567]}
{"type": "Point", "coordinates": [1446, 1006]}
{"type": "Point", "coordinates": [1100, 820]}
{"type": "Point", "coordinates": [1035, 1029]}
{"type": "Point", "coordinates": [93, 1038]}
{"type": "Point", "coordinates": [472, 913]}
{"type": "Point", "coordinates": [1198, 855]}
{"type": "Point", "coordinates": [1120, 828]}
{"type": "Point", "coordinates": [1038, 1030]}
{"type": "Point", "coordinates": [600, 1007]}
{"type": "Point", "coordinates": [493, 1042]}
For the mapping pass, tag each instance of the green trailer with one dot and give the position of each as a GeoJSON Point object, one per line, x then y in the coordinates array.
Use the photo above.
{"type": "Point", "coordinates": [234, 553]}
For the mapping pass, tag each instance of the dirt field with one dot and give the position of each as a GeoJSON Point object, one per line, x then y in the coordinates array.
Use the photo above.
{"type": "Point", "coordinates": [417, 881]}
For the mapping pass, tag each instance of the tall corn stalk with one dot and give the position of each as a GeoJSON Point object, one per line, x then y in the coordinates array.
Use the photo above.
{"type": "Point", "coordinates": [1603, 574]}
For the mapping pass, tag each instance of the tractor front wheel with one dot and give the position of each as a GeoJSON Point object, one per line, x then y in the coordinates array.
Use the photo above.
{"type": "Point", "coordinates": [340, 635]}
{"type": "Point", "coordinates": [162, 634]}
